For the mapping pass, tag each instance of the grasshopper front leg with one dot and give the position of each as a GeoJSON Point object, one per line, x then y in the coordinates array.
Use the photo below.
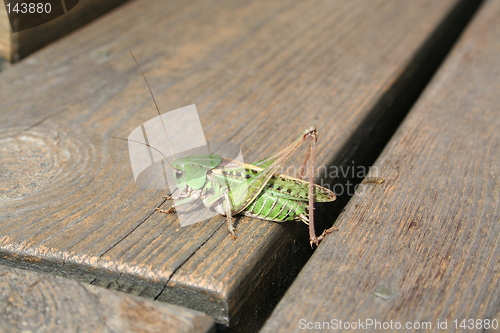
{"type": "Point", "coordinates": [182, 199]}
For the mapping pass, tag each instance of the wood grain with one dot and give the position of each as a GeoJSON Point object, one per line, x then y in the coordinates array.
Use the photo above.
{"type": "Point", "coordinates": [15, 46]}
{"type": "Point", "coordinates": [259, 73]}
{"type": "Point", "coordinates": [425, 245]}
{"type": "Point", "coordinates": [40, 302]}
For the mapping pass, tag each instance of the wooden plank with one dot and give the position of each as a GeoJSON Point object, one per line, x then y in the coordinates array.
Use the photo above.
{"type": "Point", "coordinates": [5, 35]}
{"type": "Point", "coordinates": [40, 302]}
{"type": "Point", "coordinates": [15, 46]}
{"type": "Point", "coordinates": [423, 246]}
{"type": "Point", "coordinates": [70, 205]}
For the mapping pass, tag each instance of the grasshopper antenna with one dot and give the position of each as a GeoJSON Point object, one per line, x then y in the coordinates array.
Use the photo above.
{"type": "Point", "coordinates": [157, 108]}
{"type": "Point", "coordinates": [142, 143]}
{"type": "Point", "coordinates": [147, 145]}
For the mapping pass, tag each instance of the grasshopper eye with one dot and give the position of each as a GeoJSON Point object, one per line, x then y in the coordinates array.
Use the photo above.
{"type": "Point", "coordinates": [178, 174]}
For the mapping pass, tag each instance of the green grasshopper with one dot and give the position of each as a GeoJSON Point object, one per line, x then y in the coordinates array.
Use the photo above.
{"type": "Point", "coordinates": [255, 190]}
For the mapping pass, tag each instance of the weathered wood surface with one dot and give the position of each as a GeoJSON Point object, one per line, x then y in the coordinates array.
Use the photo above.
{"type": "Point", "coordinates": [15, 46]}
{"type": "Point", "coordinates": [259, 73]}
{"type": "Point", "coordinates": [40, 302]}
{"type": "Point", "coordinates": [423, 246]}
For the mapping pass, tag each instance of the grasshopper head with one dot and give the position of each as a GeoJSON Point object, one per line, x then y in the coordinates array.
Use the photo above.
{"type": "Point", "coordinates": [192, 171]}
{"type": "Point", "coordinates": [180, 179]}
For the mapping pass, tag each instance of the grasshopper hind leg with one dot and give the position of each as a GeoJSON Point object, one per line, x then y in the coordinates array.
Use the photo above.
{"type": "Point", "coordinates": [316, 239]}
{"type": "Point", "coordinates": [319, 238]}
{"type": "Point", "coordinates": [310, 162]}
